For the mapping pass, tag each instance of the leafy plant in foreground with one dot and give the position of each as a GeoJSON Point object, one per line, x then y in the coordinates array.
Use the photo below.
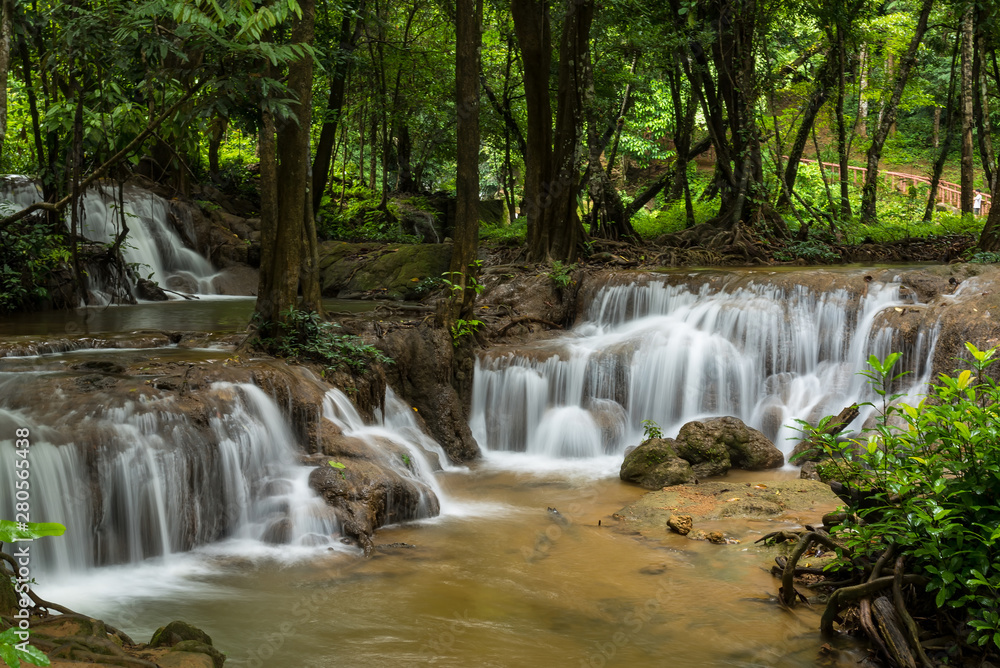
{"type": "Point", "coordinates": [930, 490]}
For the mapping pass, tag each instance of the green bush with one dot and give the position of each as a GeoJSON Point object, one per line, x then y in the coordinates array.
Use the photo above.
{"type": "Point", "coordinates": [673, 218]}
{"type": "Point", "coordinates": [931, 489]}
{"type": "Point", "coordinates": [507, 235]}
{"type": "Point", "coordinates": [305, 335]}
{"type": "Point", "coordinates": [29, 253]}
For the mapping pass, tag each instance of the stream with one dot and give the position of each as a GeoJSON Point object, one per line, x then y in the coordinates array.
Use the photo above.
{"type": "Point", "coordinates": [186, 507]}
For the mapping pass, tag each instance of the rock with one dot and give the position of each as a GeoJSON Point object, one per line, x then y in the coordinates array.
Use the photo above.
{"type": "Point", "coordinates": [178, 631]}
{"type": "Point", "coordinates": [809, 472]}
{"type": "Point", "coordinates": [716, 537]}
{"type": "Point", "coordinates": [278, 532]}
{"type": "Point", "coordinates": [194, 647]}
{"type": "Point", "coordinates": [383, 270]}
{"type": "Point", "coordinates": [681, 524]}
{"type": "Point", "coordinates": [100, 366]}
{"type": "Point", "coordinates": [185, 660]}
{"type": "Point", "coordinates": [750, 507]}
{"type": "Point", "coordinates": [702, 445]}
{"type": "Point", "coordinates": [150, 291]}
{"type": "Point", "coordinates": [655, 464]}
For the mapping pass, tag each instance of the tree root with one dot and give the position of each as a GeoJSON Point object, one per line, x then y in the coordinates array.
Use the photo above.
{"type": "Point", "coordinates": [787, 591]}
{"type": "Point", "coordinates": [526, 320]}
{"type": "Point", "coordinates": [848, 594]}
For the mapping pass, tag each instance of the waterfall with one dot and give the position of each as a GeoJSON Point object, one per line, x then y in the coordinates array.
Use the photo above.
{"type": "Point", "coordinates": [651, 350]}
{"type": "Point", "coordinates": [151, 476]}
{"type": "Point", "coordinates": [153, 248]}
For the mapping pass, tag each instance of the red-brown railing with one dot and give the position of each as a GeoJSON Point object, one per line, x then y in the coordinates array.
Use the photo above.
{"type": "Point", "coordinates": [947, 192]}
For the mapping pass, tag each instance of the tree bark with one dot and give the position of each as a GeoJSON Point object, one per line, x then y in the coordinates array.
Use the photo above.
{"type": "Point", "coordinates": [967, 173]}
{"type": "Point", "coordinates": [531, 25]}
{"type": "Point", "coordinates": [468, 19]}
{"type": "Point", "coordinates": [981, 110]}
{"type": "Point", "coordinates": [948, 137]}
{"type": "Point", "coordinates": [290, 262]}
{"type": "Point", "coordinates": [818, 97]}
{"type": "Point", "coordinates": [870, 189]}
{"type": "Point", "coordinates": [6, 37]}
{"type": "Point", "coordinates": [335, 103]}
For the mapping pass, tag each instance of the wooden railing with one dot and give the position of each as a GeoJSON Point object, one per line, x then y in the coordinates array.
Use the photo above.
{"type": "Point", "coordinates": [947, 192]}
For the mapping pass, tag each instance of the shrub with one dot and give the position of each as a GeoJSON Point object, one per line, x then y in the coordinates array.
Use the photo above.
{"type": "Point", "coordinates": [305, 335]}
{"type": "Point", "coordinates": [931, 490]}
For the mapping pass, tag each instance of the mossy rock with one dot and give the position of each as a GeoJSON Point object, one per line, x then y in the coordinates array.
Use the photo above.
{"type": "Point", "coordinates": [655, 464]}
{"type": "Point", "coordinates": [195, 647]}
{"type": "Point", "coordinates": [700, 444]}
{"type": "Point", "coordinates": [399, 270]}
{"type": "Point", "coordinates": [177, 632]}
{"type": "Point", "coordinates": [392, 271]}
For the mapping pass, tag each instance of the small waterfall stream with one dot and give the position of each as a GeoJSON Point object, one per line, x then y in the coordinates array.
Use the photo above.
{"type": "Point", "coordinates": [153, 247]}
{"type": "Point", "coordinates": [151, 477]}
{"type": "Point", "coordinates": [652, 350]}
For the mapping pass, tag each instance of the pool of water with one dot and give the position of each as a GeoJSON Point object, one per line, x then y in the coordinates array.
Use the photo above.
{"type": "Point", "coordinates": [497, 580]}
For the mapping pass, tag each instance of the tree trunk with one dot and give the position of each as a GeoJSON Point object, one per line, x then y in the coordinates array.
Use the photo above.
{"type": "Point", "coordinates": [6, 36]}
{"type": "Point", "coordinates": [468, 19]}
{"type": "Point", "coordinates": [967, 174]}
{"type": "Point", "coordinates": [335, 103]}
{"type": "Point", "coordinates": [870, 189]}
{"type": "Point", "coordinates": [981, 111]}
{"type": "Point", "coordinates": [531, 24]}
{"type": "Point", "coordinates": [842, 150]}
{"type": "Point", "coordinates": [563, 229]}
{"type": "Point", "coordinates": [948, 137]}
{"type": "Point", "coordinates": [404, 160]}
{"type": "Point", "coordinates": [862, 123]}
{"type": "Point", "coordinates": [290, 263]}
{"type": "Point", "coordinates": [936, 136]}
{"type": "Point", "coordinates": [818, 97]}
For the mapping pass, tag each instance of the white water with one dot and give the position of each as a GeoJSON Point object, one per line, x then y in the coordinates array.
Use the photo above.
{"type": "Point", "coordinates": [654, 351]}
{"type": "Point", "coordinates": [152, 248]}
{"type": "Point", "coordinates": [143, 479]}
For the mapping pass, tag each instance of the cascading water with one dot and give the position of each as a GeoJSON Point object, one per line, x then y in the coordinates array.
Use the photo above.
{"type": "Point", "coordinates": [153, 248]}
{"type": "Point", "coordinates": [651, 350]}
{"type": "Point", "coordinates": [150, 476]}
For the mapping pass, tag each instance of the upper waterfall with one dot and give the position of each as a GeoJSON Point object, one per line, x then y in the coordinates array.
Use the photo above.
{"type": "Point", "coordinates": [768, 353]}
{"type": "Point", "coordinates": [153, 248]}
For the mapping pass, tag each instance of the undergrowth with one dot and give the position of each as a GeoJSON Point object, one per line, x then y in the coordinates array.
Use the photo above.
{"type": "Point", "coordinates": [306, 336]}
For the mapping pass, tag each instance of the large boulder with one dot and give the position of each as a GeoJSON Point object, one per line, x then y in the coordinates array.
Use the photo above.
{"type": "Point", "coordinates": [746, 448]}
{"type": "Point", "coordinates": [655, 464]}
{"type": "Point", "coordinates": [391, 271]}
{"type": "Point", "coordinates": [702, 444]}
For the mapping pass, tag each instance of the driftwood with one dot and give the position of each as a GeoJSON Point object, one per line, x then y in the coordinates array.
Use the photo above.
{"type": "Point", "coordinates": [808, 449]}
{"type": "Point", "coordinates": [889, 626]}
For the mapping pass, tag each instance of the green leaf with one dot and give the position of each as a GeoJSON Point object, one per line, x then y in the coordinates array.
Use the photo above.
{"type": "Point", "coordinates": [14, 531]}
{"type": "Point", "coordinates": [9, 655]}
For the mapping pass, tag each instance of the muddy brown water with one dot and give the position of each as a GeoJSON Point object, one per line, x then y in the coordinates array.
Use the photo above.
{"type": "Point", "coordinates": [496, 581]}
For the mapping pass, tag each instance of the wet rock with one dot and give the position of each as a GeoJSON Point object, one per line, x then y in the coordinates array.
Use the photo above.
{"type": "Point", "coordinates": [809, 472]}
{"type": "Point", "coordinates": [655, 464]}
{"type": "Point", "coordinates": [175, 659]}
{"type": "Point", "coordinates": [178, 631]}
{"type": "Point", "coordinates": [197, 649]}
{"type": "Point", "coordinates": [100, 366]}
{"type": "Point", "coordinates": [424, 375]}
{"type": "Point", "coordinates": [702, 445]}
{"type": "Point", "coordinates": [745, 447]}
{"type": "Point", "coordinates": [278, 532]}
{"type": "Point", "coordinates": [681, 524]}
{"type": "Point", "coordinates": [716, 537]}
{"type": "Point", "coordinates": [747, 506]}
{"type": "Point", "coordinates": [150, 291]}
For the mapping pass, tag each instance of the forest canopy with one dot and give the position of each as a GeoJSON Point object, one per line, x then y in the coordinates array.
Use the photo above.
{"type": "Point", "coordinates": [696, 123]}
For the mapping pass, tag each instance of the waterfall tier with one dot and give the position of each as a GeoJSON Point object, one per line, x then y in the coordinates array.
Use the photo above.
{"type": "Point", "coordinates": [651, 350]}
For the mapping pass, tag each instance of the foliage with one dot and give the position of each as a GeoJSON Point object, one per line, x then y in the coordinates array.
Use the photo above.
{"type": "Point", "coordinates": [650, 429]}
{"type": "Point", "coordinates": [13, 652]}
{"type": "Point", "coordinates": [28, 255]}
{"type": "Point", "coordinates": [305, 335]}
{"type": "Point", "coordinates": [985, 257]}
{"type": "Point", "coordinates": [811, 250]}
{"type": "Point", "coordinates": [561, 274]}
{"type": "Point", "coordinates": [339, 467]}
{"type": "Point", "coordinates": [462, 328]}
{"type": "Point", "coordinates": [931, 488]}
{"type": "Point", "coordinates": [508, 235]}
{"type": "Point", "coordinates": [672, 218]}
{"type": "Point", "coordinates": [11, 531]}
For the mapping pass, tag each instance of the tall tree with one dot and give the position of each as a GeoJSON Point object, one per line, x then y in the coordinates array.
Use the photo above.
{"type": "Point", "coordinates": [287, 225]}
{"type": "Point", "coordinates": [869, 191]}
{"type": "Point", "coordinates": [468, 19]}
{"type": "Point", "coordinates": [967, 176]}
